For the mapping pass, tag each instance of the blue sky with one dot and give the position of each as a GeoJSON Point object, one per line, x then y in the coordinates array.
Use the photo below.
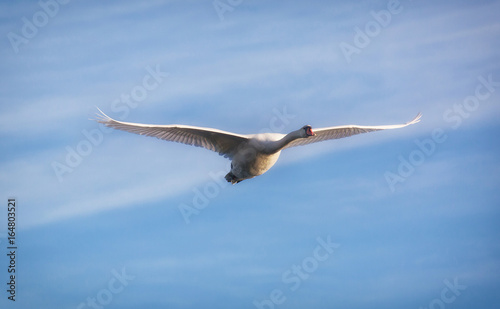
{"type": "Point", "coordinates": [372, 221]}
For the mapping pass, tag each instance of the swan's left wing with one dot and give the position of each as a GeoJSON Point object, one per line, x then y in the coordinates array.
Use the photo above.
{"type": "Point", "coordinates": [324, 134]}
{"type": "Point", "coordinates": [225, 143]}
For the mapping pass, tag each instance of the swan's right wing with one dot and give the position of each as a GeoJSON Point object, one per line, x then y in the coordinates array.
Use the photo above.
{"type": "Point", "coordinates": [324, 134]}
{"type": "Point", "coordinates": [225, 143]}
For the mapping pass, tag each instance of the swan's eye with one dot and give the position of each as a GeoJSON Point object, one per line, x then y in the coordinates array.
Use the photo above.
{"type": "Point", "coordinates": [309, 131]}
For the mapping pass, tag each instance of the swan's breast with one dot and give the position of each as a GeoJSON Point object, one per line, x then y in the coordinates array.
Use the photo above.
{"type": "Point", "coordinates": [263, 162]}
{"type": "Point", "coordinates": [250, 161]}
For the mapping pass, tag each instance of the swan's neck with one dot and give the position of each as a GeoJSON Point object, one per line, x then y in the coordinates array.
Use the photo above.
{"type": "Point", "coordinates": [287, 139]}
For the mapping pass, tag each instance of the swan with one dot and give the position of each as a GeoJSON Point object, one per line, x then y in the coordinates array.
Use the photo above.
{"type": "Point", "coordinates": [251, 155]}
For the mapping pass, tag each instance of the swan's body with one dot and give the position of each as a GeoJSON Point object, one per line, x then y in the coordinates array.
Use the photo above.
{"type": "Point", "coordinates": [252, 155]}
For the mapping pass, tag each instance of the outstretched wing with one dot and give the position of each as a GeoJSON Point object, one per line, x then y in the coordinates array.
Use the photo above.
{"type": "Point", "coordinates": [225, 143]}
{"type": "Point", "coordinates": [324, 134]}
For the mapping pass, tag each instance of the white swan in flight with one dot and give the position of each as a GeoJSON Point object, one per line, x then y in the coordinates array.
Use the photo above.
{"type": "Point", "coordinates": [252, 155]}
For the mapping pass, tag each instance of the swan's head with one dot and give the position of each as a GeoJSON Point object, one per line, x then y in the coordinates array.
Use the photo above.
{"type": "Point", "coordinates": [308, 131]}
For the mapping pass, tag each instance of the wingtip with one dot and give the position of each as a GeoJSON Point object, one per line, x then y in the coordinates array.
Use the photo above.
{"type": "Point", "coordinates": [415, 120]}
{"type": "Point", "coordinates": [101, 117]}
